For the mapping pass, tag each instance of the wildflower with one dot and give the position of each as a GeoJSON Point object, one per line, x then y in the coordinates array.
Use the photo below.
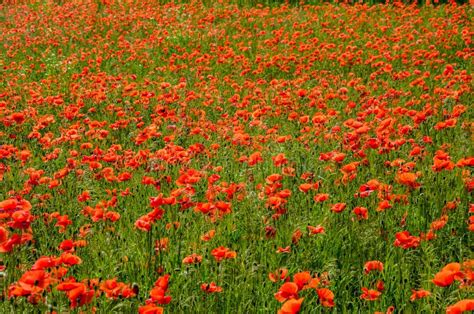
{"type": "Point", "coordinates": [210, 288]}
{"type": "Point", "coordinates": [158, 293]}
{"type": "Point", "coordinates": [287, 291]}
{"type": "Point", "coordinates": [222, 253]}
{"type": "Point", "coordinates": [419, 294]}
{"type": "Point", "coordinates": [280, 274]}
{"type": "Point", "coordinates": [316, 230]}
{"type": "Point", "coordinates": [369, 294]}
{"type": "Point", "coordinates": [192, 259]}
{"type": "Point", "coordinates": [461, 307]}
{"type": "Point", "coordinates": [291, 306]}
{"type": "Point", "coordinates": [373, 265]}
{"type": "Point", "coordinates": [150, 309]}
{"type": "Point", "coordinates": [338, 207]}
{"type": "Point", "coordinates": [326, 297]}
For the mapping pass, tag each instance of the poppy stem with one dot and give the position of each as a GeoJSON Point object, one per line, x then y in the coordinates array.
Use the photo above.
{"type": "Point", "coordinates": [150, 246]}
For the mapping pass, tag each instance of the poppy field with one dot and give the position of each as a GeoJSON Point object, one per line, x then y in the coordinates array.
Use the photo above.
{"type": "Point", "coordinates": [225, 158]}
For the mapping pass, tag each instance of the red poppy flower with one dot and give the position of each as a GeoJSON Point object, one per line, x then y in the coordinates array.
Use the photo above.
{"type": "Point", "coordinates": [222, 253]}
{"type": "Point", "coordinates": [291, 306]}
{"type": "Point", "coordinates": [326, 297]}
{"type": "Point", "coordinates": [419, 294]}
{"type": "Point", "coordinates": [287, 291]}
{"type": "Point", "coordinates": [210, 288]}
{"type": "Point", "coordinates": [316, 230]}
{"type": "Point", "coordinates": [280, 274]}
{"type": "Point", "coordinates": [369, 294]}
{"type": "Point", "coordinates": [373, 265]}
{"type": "Point", "coordinates": [338, 207]}
{"type": "Point", "coordinates": [150, 309]}
{"type": "Point", "coordinates": [192, 259]}
{"type": "Point", "coordinates": [461, 307]}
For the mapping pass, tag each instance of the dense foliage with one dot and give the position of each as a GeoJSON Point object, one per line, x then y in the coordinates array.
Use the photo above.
{"type": "Point", "coordinates": [226, 159]}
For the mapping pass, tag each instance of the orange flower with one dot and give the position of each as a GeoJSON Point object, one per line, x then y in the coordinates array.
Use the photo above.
{"type": "Point", "coordinates": [287, 291]}
{"type": "Point", "coordinates": [338, 207]}
{"type": "Point", "coordinates": [286, 249]}
{"type": "Point", "coordinates": [296, 236]}
{"type": "Point", "coordinates": [291, 306]}
{"type": "Point", "coordinates": [321, 197]}
{"type": "Point", "coordinates": [254, 159]}
{"type": "Point", "coordinates": [389, 310]}
{"type": "Point", "coordinates": [408, 179]}
{"type": "Point", "coordinates": [443, 279]}
{"type": "Point", "coordinates": [67, 246]}
{"type": "Point", "coordinates": [326, 297]}
{"type": "Point", "coordinates": [192, 259]}
{"type": "Point", "coordinates": [31, 283]}
{"type": "Point", "coordinates": [349, 168]}
{"type": "Point", "coordinates": [84, 196]}
{"type": "Point", "coordinates": [279, 160]}
{"type": "Point", "coordinates": [161, 245]}
{"type": "Point", "coordinates": [315, 230]}
{"type": "Point", "coordinates": [448, 274]}
{"type": "Point", "coordinates": [301, 279]}
{"type": "Point", "coordinates": [461, 307]}
{"type": "Point", "coordinates": [406, 241]}
{"type": "Point", "coordinates": [280, 274]}
{"type": "Point", "coordinates": [373, 265]}
{"type": "Point", "coordinates": [361, 212]}
{"type": "Point", "coordinates": [114, 289]}
{"type": "Point", "coordinates": [418, 294]}
{"type": "Point", "coordinates": [21, 219]}
{"type": "Point", "coordinates": [150, 309]}
{"type": "Point", "coordinates": [46, 262]}
{"type": "Point", "coordinates": [222, 253]}
{"type": "Point", "coordinates": [210, 288]}
{"type": "Point", "coordinates": [158, 293]}
{"type": "Point", "coordinates": [369, 294]}
{"type": "Point", "coordinates": [3, 234]}
{"type": "Point", "coordinates": [305, 187]}
{"type": "Point", "coordinates": [70, 259]}
{"type": "Point", "coordinates": [208, 236]}
{"type": "Point", "coordinates": [273, 178]}
{"type": "Point", "coordinates": [8, 205]}
{"type": "Point", "coordinates": [77, 292]}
